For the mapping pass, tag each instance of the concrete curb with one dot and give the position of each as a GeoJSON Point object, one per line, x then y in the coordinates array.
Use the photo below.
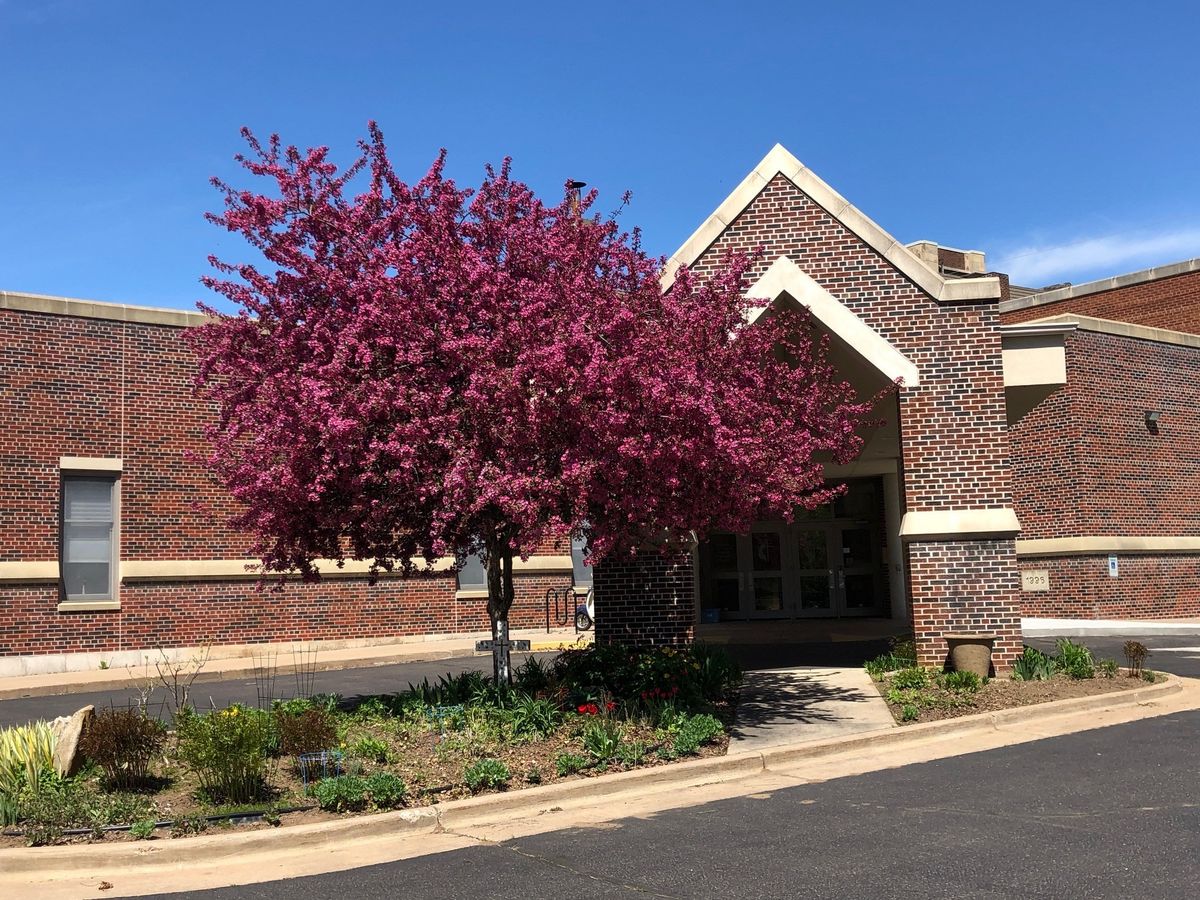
{"type": "Point", "coordinates": [458, 815]}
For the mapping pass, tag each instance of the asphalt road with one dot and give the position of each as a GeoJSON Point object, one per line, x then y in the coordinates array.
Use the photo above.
{"type": "Point", "coordinates": [1107, 813]}
{"type": "Point", "coordinates": [243, 689]}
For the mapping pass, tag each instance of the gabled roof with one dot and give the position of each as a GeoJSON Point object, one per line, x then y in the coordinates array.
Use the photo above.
{"type": "Point", "coordinates": [785, 277]}
{"type": "Point", "coordinates": [780, 162]}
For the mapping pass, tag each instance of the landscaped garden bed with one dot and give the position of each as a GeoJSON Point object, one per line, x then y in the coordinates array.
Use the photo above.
{"type": "Point", "coordinates": [593, 710]}
{"type": "Point", "coordinates": [915, 694]}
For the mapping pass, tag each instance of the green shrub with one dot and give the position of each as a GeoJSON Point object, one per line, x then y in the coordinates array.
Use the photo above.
{"type": "Point", "coordinates": [343, 793]}
{"type": "Point", "coordinates": [912, 678]}
{"type": "Point", "coordinates": [123, 743]}
{"type": "Point", "coordinates": [1074, 660]}
{"type": "Point", "coordinates": [569, 763]}
{"type": "Point", "coordinates": [372, 709]}
{"type": "Point", "coordinates": [227, 751]}
{"type": "Point", "coordinates": [1135, 655]}
{"type": "Point", "coordinates": [602, 738]}
{"type": "Point", "coordinates": [143, 830]}
{"type": "Point", "coordinates": [26, 754]}
{"type": "Point", "coordinates": [310, 731]}
{"type": "Point", "coordinates": [373, 749]}
{"type": "Point", "coordinates": [1149, 675]}
{"type": "Point", "coordinates": [450, 690]}
{"type": "Point", "coordinates": [387, 790]}
{"type": "Point", "coordinates": [909, 713]}
{"type": "Point", "coordinates": [533, 717]}
{"type": "Point", "coordinates": [1033, 665]}
{"type": "Point", "coordinates": [533, 776]}
{"type": "Point", "coordinates": [692, 731]}
{"type": "Point", "coordinates": [1108, 668]}
{"type": "Point", "coordinates": [644, 675]}
{"type": "Point", "coordinates": [966, 682]}
{"type": "Point", "coordinates": [487, 773]}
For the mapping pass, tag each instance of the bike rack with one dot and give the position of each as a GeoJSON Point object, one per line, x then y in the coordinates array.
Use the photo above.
{"type": "Point", "coordinates": [559, 600]}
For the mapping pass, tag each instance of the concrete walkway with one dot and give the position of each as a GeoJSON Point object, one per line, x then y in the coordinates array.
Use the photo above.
{"type": "Point", "coordinates": [1132, 628]}
{"type": "Point", "coordinates": [806, 703]}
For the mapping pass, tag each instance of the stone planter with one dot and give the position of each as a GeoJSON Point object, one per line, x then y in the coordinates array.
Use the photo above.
{"type": "Point", "coordinates": [970, 651]}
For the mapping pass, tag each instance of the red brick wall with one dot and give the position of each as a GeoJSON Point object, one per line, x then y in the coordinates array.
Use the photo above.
{"type": "Point", "coordinates": [648, 600]}
{"type": "Point", "coordinates": [73, 386]}
{"type": "Point", "coordinates": [966, 586]}
{"type": "Point", "coordinates": [173, 614]}
{"type": "Point", "coordinates": [1146, 587]}
{"type": "Point", "coordinates": [1172, 303]}
{"type": "Point", "coordinates": [1087, 465]}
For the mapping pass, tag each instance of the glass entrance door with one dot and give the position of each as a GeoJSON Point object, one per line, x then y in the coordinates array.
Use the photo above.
{"type": "Point", "coordinates": [829, 562]}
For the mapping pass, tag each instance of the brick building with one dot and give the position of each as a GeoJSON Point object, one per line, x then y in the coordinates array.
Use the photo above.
{"type": "Point", "coordinates": [1036, 437]}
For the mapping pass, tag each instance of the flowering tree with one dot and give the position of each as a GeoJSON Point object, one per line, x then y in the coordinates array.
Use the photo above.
{"type": "Point", "coordinates": [423, 371]}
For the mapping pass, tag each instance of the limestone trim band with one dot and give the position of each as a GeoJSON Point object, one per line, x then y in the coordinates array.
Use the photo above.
{"type": "Point", "coordinates": [781, 162]}
{"type": "Point", "coordinates": [1122, 329]}
{"type": "Point", "coordinates": [96, 309]}
{"type": "Point", "coordinates": [226, 569]}
{"type": "Point", "coordinates": [1102, 545]}
{"type": "Point", "coordinates": [959, 524]}
{"type": "Point", "coordinates": [90, 464]}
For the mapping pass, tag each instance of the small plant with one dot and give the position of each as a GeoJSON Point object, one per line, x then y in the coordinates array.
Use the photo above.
{"type": "Point", "coordinates": [632, 753]}
{"type": "Point", "coordinates": [387, 790]}
{"type": "Point", "coordinates": [103, 664]}
{"type": "Point", "coordinates": [533, 717]}
{"type": "Point", "coordinates": [913, 678]}
{"type": "Point", "coordinates": [602, 738]}
{"type": "Point", "coordinates": [692, 731]}
{"type": "Point", "coordinates": [1033, 665]}
{"type": "Point", "coordinates": [487, 774]}
{"type": "Point", "coordinates": [1150, 676]}
{"type": "Point", "coordinates": [718, 675]}
{"type": "Point", "coordinates": [189, 825]}
{"type": "Point", "coordinates": [965, 682]}
{"type": "Point", "coordinates": [532, 676]}
{"type": "Point", "coordinates": [1135, 655]}
{"type": "Point", "coordinates": [1108, 668]}
{"type": "Point", "coordinates": [308, 732]}
{"type": "Point", "coordinates": [1074, 660]}
{"type": "Point", "coordinates": [343, 793]}
{"type": "Point", "coordinates": [909, 713]}
{"type": "Point", "coordinates": [533, 776]}
{"type": "Point", "coordinates": [123, 743]}
{"type": "Point", "coordinates": [373, 749]}
{"type": "Point", "coordinates": [143, 830]}
{"type": "Point", "coordinates": [271, 816]}
{"type": "Point", "coordinates": [177, 676]}
{"type": "Point", "coordinates": [569, 763]}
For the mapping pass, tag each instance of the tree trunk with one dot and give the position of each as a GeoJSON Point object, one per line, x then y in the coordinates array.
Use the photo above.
{"type": "Point", "coordinates": [500, 600]}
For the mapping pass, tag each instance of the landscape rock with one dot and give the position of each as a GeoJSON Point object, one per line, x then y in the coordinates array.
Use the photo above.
{"type": "Point", "coordinates": [67, 732]}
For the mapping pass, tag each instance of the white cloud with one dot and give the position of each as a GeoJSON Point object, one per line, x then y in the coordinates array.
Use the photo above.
{"type": "Point", "coordinates": [1096, 257]}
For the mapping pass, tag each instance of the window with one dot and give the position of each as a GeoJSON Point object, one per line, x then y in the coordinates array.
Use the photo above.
{"type": "Point", "coordinates": [581, 571]}
{"type": "Point", "coordinates": [473, 576]}
{"type": "Point", "coordinates": [89, 504]}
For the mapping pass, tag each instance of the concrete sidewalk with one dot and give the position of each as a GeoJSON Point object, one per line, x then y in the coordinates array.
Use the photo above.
{"type": "Point", "coordinates": [806, 703]}
{"type": "Point", "coordinates": [323, 660]}
{"type": "Point", "coordinates": [1037, 627]}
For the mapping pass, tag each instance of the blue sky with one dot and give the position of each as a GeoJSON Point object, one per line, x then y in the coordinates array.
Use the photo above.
{"type": "Point", "coordinates": [1062, 138]}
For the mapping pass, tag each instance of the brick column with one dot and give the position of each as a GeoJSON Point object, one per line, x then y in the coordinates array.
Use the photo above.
{"type": "Point", "coordinates": [647, 600]}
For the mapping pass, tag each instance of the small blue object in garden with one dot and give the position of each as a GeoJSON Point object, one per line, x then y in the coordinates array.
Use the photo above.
{"type": "Point", "coordinates": [323, 764]}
